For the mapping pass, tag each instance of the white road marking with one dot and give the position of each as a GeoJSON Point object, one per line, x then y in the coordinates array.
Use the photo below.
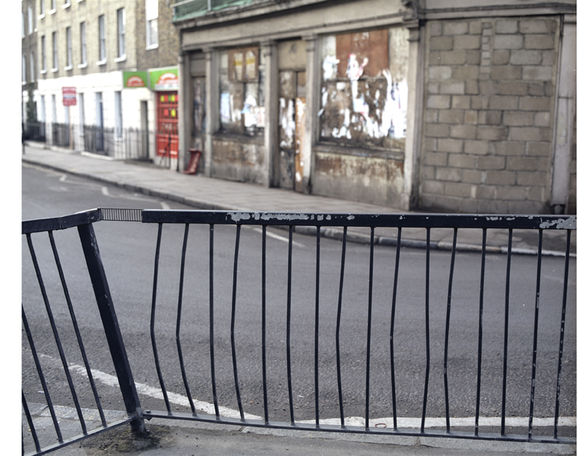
{"type": "Point", "coordinates": [278, 237]}
{"type": "Point", "coordinates": [165, 206]}
{"type": "Point", "coordinates": [63, 177]}
{"type": "Point", "coordinates": [105, 191]}
{"type": "Point", "coordinates": [402, 422]}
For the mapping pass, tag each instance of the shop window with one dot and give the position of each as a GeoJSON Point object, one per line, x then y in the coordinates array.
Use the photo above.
{"type": "Point", "coordinates": [242, 104]}
{"type": "Point", "coordinates": [364, 88]}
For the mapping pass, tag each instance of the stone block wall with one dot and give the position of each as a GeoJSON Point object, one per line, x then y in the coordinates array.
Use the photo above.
{"type": "Point", "coordinates": [489, 99]}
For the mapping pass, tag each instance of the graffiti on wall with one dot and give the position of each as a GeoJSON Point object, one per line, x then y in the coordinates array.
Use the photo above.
{"type": "Point", "coordinates": [364, 88]}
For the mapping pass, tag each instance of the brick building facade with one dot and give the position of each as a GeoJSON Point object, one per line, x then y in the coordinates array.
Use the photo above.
{"type": "Point", "coordinates": [439, 105]}
{"type": "Point", "coordinates": [99, 64]}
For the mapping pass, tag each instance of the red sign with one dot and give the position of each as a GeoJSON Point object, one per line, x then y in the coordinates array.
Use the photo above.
{"type": "Point", "coordinates": [69, 96]}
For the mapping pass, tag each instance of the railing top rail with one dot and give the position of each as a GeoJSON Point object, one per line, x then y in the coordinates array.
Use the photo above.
{"type": "Point", "coordinates": [545, 222]}
{"type": "Point", "coordinates": [61, 223]}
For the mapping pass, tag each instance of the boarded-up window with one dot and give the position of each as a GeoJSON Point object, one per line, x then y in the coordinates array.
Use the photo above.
{"type": "Point", "coordinates": [364, 88]}
{"type": "Point", "coordinates": [242, 109]}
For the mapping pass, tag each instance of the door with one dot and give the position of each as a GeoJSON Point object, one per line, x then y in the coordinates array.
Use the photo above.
{"type": "Point", "coordinates": [144, 140]}
{"type": "Point", "coordinates": [292, 109]}
{"type": "Point", "coordinates": [166, 136]}
{"type": "Point", "coordinates": [99, 142]}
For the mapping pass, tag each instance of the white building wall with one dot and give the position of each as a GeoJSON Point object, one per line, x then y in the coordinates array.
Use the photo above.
{"type": "Point", "coordinates": [89, 85]}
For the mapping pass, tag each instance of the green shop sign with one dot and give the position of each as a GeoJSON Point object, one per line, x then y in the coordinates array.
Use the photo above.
{"type": "Point", "coordinates": [164, 79]}
{"type": "Point", "coordinates": [135, 79]}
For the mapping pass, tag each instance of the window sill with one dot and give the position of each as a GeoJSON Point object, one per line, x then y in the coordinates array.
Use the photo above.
{"type": "Point", "coordinates": [52, 11]}
{"type": "Point", "coordinates": [43, 71]}
{"type": "Point", "coordinates": [68, 68]}
{"type": "Point", "coordinates": [153, 46]}
{"type": "Point", "coordinates": [67, 5]}
{"type": "Point", "coordinates": [101, 62]}
{"type": "Point", "coordinates": [41, 16]}
{"type": "Point", "coordinates": [120, 59]}
{"type": "Point", "coordinates": [54, 70]}
{"type": "Point", "coordinates": [327, 147]}
{"type": "Point", "coordinates": [82, 65]}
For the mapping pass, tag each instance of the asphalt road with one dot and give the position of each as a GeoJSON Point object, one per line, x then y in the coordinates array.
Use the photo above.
{"type": "Point", "coordinates": [128, 254]}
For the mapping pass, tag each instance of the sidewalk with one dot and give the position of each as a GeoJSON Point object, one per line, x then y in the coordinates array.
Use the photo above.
{"type": "Point", "coordinates": [174, 437]}
{"type": "Point", "coordinates": [216, 194]}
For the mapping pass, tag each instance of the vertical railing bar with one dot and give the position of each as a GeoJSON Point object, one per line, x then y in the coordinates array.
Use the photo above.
{"type": "Point", "coordinates": [562, 333]}
{"type": "Point", "coordinates": [506, 330]}
{"type": "Point", "coordinates": [288, 324]}
{"type": "Point", "coordinates": [447, 326]}
{"type": "Point", "coordinates": [480, 331]}
{"type": "Point", "coordinates": [264, 319]}
{"type": "Point", "coordinates": [212, 368]}
{"type": "Point", "coordinates": [41, 377]}
{"type": "Point", "coordinates": [338, 316]}
{"type": "Point", "coordinates": [111, 328]}
{"type": "Point", "coordinates": [31, 424]}
{"type": "Point", "coordinates": [316, 329]}
{"type": "Point", "coordinates": [535, 341]}
{"type": "Point", "coordinates": [392, 325]}
{"type": "Point", "coordinates": [427, 309]}
{"type": "Point", "coordinates": [76, 330]}
{"type": "Point", "coordinates": [56, 335]}
{"type": "Point", "coordinates": [232, 322]}
{"type": "Point", "coordinates": [152, 322]}
{"type": "Point", "coordinates": [178, 321]}
{"type": "Point", "coordinates": [369, 317]}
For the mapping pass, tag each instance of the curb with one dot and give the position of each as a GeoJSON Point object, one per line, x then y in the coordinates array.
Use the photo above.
{"type": "Point", "coordinates": [332, 233]}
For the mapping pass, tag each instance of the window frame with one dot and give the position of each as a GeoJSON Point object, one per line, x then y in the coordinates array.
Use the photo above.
{"type": "Point", "coordinates": [151, 17]}
{"type": "Point", "coordinates": [102, 56]}
{"type": "Point", "coordinates": [83, 45]}
{"type": "Point", "coordinates": [31, 24]}
{"type": "Point", "coordinates": [55, 54]}
{"type": "Point", "coordinates": [68, 49]}
{"type": "Point", "coordinates": [43, 54]}
{"type": "Point", "coordinates": [118, 114]}
{"type": "Point", "coordinates": [120, 34]}
{"type": "Point", "coordinates": [32, 67]}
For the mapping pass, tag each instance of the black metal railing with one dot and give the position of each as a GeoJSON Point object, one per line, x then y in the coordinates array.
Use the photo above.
{"type": "Point", "coordinates": [34, 131]}
{"type": "Point", "coordinates": [263, 333]}
{"type": "Point", "coordinates": [123, 144]}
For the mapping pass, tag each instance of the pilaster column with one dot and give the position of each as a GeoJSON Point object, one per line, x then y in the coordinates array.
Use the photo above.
{"type": "Point", "coordinates": [311, 118]}
{"type": "Point", "coordinates": [184, 113]}
{"type": "Point", "coordinates": [212, 100]}
{"type": "Point", "coordinates": [414, 117]}
{"type": "Point", "coordinates": [271, 89]}
{"type": "Point", "coordinates": [564, 117]}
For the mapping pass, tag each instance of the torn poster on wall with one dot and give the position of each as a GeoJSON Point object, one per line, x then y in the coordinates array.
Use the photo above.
{"type": "Point", "coordinates": [364, 87]}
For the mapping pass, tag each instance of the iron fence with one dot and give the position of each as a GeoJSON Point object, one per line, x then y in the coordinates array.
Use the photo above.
{"type": "Point", "coordinates": [34, 131]}
{"type": "Point", "coordinates": [306, 357]}
{"type": "Point", "coordinates": [123, 144]}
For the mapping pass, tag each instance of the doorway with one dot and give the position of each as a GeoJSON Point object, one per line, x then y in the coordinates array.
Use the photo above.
{"type": "Point", "coordinates": [292, 112]}
{"type": "Point", "coordinates": [166, 136]}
